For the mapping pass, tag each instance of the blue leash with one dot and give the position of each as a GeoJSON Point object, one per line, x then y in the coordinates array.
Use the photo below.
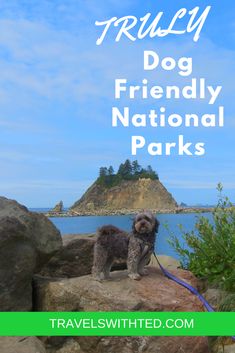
{"type": "Point", "coordinates": [186, 285]}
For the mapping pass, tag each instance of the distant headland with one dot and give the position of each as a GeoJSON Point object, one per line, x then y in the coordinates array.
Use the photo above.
{"type": "Point", "coordinates": [129, 190]}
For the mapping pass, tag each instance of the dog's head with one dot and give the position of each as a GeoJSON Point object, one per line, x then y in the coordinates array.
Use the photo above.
{"type": "Point", "coordinates": [145, 222]}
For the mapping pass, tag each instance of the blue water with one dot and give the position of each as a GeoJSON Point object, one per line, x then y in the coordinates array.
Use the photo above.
{"type": "Point", "coordinates": [68, 225]}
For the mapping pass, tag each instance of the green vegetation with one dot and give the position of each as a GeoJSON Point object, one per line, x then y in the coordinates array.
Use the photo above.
{"type": "Point", "coordinates": [212, 246]}
{"type": "Point", "coordinates": [126, 171]}
{"type": "Point", "coordinates": [228, 303]}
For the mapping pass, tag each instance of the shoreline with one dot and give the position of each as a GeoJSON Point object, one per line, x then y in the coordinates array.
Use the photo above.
{"type": "Point", "coordinates": [124, 212]}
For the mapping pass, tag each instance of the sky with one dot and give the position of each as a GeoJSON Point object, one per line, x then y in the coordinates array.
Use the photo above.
{"type": "Point", "coordinates": [57, 94]}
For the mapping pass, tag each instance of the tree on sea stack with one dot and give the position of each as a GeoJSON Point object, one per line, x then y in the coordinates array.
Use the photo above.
{"type": "Point", "coordinates": [111, 170]}
{"type": "Point", "coordinates": [103, 172]}
{"type": "Point", "coordinates": [136, 167]}
{"type": "Point", "coordinates": [126, 171]}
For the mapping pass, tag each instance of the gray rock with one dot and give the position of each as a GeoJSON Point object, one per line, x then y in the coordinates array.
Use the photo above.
{"type": "Point", "coordinates": [21, 345]}
{"type": "Point", "coordinates": [39, 229]}
{"type": "Point", "coordinates": [27, 241]}
{"type": "Point", "coordinates": [75, 257]}
{"type": "Point", "coordinates": [68, 345]}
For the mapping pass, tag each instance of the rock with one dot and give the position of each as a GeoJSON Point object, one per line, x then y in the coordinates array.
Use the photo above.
{"type": "Point", "coordinates": [127, 195]}
{"type": "Point", "coordinates": [39, 230]}
{"type": "Point", "coordinates": [152, 293]}
{"type": "Point", "coordinates": [166, 261]}
{"type": "Point", "coordinates": [214, 296]}
{"type": "Point", "coordinates": [89, 211]}
{"type": "Point", "coordinates": [27, 241]}
{"type": "Point", "coordinates": [58, 207]}
{"type": "Point", "coordinates": [75, 257]}
{"type": "Point", "coordinates": [69, 345]}
{"type": "Point", "coordinates": [17, 262]}
{"type": "Point", "coordinates": [226, 348]}
{"type": "Point", "coordinates": [143, 344]}
{"type": "Point", "coordinates": [21, 345]}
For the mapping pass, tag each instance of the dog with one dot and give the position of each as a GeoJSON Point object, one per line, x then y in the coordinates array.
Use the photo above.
{"type": "Point", "coordinates": [135, 247]}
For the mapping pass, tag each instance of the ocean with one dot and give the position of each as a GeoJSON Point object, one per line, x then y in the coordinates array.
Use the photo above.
{"type": "Point", "coordinates": [84, 224]}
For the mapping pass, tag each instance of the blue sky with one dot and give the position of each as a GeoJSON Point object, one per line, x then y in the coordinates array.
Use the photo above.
{"type": "Point", "coordinates": [57, 92]}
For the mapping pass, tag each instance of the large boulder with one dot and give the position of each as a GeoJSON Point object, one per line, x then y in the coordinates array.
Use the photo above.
{"type": "Point", "coordinates": [21, 345]}
{"type": "Point", "coordinates": [27, 241]}
{"type": "Point", "coordinates": [152, 293]}
{"type": "Point", "coordinates": [75, 258]}
{"type": "Point", "coordinates": [144, 344]}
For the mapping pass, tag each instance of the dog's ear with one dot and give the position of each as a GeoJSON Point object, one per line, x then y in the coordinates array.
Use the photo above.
{"type": "Point", "coordinates": [157, 224]}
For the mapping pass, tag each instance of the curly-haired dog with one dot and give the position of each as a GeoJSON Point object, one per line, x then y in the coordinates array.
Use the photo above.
{"type": "Point", "coordinates": [136, 247]}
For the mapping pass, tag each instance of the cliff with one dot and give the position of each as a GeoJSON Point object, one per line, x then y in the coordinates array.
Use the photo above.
{"type": "Point", "coordinates": [128, 194]}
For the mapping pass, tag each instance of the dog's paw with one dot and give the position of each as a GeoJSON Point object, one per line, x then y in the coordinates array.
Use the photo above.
{"type": "Point", "coordinates": [144, 272]}
{"type": "Point", "coordinates": [134, 276]}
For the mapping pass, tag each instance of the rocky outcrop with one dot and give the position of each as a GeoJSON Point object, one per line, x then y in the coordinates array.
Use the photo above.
{"type": "Point", "coordinates": [152, 293]}
{"type": "Point", "coordinates": [27, 241]}
{"type": "Point", "coordinates": [131, 195]}
{"type": "Point", "coordinates": [21, 345]}
{"type": "Point", "coordinates": [75, 257]}
{"type": "Point", "coordinates": [58, 208]}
